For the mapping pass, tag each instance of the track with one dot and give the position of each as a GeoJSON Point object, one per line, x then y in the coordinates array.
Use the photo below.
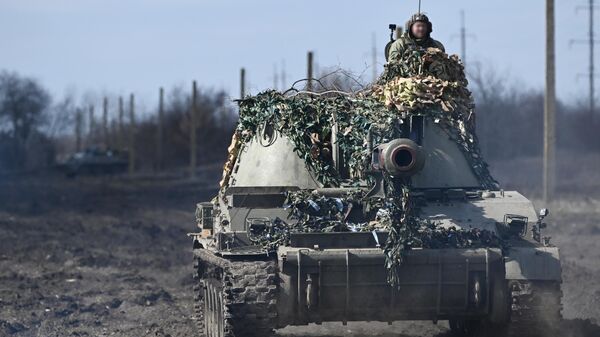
{"type": "Point", "coordinates": [238, 299]}
{"type": "Point", "coordinates": [536, 310]}
{"type": "Point", "coordinates": [234, 298]}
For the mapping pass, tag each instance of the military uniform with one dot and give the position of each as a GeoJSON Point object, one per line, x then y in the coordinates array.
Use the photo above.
{"type": "Point", "coordinates": [408, 41]}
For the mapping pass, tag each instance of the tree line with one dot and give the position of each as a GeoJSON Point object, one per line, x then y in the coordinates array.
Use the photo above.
{"type": "Point", "coordinates": [36, 130]}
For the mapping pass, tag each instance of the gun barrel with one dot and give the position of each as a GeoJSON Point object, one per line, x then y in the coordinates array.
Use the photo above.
{"type": "Point", "coordinates": [401, 157]}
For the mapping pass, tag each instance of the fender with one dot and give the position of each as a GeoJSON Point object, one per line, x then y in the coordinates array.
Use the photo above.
{"type": "Point", "coordinates": [533, 264]}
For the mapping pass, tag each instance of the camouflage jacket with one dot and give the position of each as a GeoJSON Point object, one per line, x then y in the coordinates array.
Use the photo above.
{"type": "Point", "coordinates": [398, 48]}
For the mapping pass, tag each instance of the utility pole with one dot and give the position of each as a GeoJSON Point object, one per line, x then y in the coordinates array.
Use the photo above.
{"type": "Point", "coordinates": [105, 122]}
{"type": "Point", "coordinates": [91, 125]}
{"type": "Point", "coordinates": [193, 125]}
{"type": "Point", "coordinates": [463, 36]}
{"type": "Point", "coordinates": [309, 76]}
{"type": "Point", "coordinates": [374, 56]}
{"type": "Point", "coordinates": [78, 127]}
{"type": "Point", "coordinates": [283, 76]}
{"type": "Point", "coordinates": [275, 77]}
{"type": "Point", "coordinates": [159, 141]}
{"type": "Point", "coordinates": [121, 129]}
{"type": "Point", "coordinates": [131, 134]}
{"type": "Point", "coordinates": [242, 83]}
{"type": "Point", "coordinates": [591, 42]}
{"type": "Point", "coordinates": [549, 104]}
{"type": "Point", "coordinates": [592, 75]}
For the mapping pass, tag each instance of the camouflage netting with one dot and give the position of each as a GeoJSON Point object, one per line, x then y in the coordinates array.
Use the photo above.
{"type": "Point", "coordinates": [425, 83]}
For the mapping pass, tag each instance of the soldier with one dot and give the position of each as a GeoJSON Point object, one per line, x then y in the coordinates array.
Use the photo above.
{"type": "Point", "coordinates": [417, 35]}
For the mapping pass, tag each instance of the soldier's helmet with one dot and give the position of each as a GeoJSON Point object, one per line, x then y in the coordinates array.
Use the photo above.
{"type": "Point", "coordinates": [419, 17]}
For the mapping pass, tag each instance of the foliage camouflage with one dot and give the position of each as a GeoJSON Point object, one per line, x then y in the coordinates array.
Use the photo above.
{"type": "Point", "coordinates": [311, 213]}
{"type": "Point", "coordinates": [425, 83]}
{"type": "Point", "coordinates": [430, 62]}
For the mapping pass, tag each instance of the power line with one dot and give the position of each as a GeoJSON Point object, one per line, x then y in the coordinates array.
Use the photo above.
{"type": "Point", "coordinates": [591, 42]}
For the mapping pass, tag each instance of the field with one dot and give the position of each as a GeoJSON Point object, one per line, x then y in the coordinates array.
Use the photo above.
{"type": "Point", "coordinates": [102, 256]}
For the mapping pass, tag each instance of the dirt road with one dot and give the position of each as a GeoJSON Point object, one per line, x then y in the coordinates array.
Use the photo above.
{"type": "Point", "coordinates": [110, 257]}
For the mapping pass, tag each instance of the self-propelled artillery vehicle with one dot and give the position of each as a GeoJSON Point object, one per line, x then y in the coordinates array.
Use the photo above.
{"type": "Point", "coordinates": [373, 206]}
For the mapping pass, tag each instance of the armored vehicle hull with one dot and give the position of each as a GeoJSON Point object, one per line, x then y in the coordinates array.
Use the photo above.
{"type": "Point", "coordinates": [95, 162]}
{"type": "Point", "coordinates": [327, 278]}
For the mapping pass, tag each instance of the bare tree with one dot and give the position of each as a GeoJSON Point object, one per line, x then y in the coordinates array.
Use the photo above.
{"type": "Point", "coordinates": [23, 102]}
{"type": "Point", "coordinates": [338, 79]}
{"type": "Point", "coordinates": [509, 114]}
{"type": "Point", "coordinates": [216, 123]}
{"type": "Point", "coordinates": [61, 118]}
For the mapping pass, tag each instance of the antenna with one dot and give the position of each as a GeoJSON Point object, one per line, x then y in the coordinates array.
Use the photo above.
{"type": "Point", "coordinates": [419, 7]}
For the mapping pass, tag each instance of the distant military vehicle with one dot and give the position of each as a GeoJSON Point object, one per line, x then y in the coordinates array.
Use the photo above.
{"type": "Point", "coordinates": [260, 264]}
{"type": "Point", "coordinates": [94, 161]}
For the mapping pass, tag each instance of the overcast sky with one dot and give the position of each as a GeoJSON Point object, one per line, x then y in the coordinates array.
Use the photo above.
{"type": "Point", "coordinates": [122, 46]}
